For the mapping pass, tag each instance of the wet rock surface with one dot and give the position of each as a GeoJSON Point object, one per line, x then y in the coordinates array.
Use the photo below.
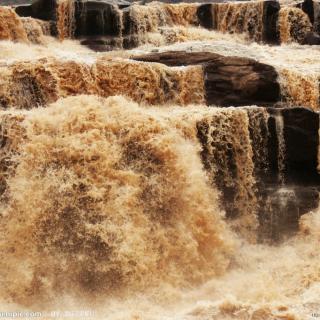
{"type": "Point", "coordinates": [300, 132]}
{"type": "Point", "coordinates": [312, 39]}
{"type": "Point", "coordinates": [96, 18]}
{"type": "Point", "coordinates": [289, 189]}
{"type": "Point", "coordinates": [39, 9]}
{"type": "Point", "coordinates": [208, 15]}
{"type": "Point", "coordinates": [228, 80]}
{"type": "Point", "coordinates": [312, 9]}
{"type": "Point", "coordinates": [270, 22]}
{"type": "Point", "coordinates": [239, 81]}
{"type": "Point", "coordinates": [286, 180]}
{"type": "Point", "coordinates": [280, 208]}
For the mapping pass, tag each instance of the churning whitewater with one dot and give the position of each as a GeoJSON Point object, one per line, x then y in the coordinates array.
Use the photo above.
{"type": "Point", "coordinates": [160, 161]}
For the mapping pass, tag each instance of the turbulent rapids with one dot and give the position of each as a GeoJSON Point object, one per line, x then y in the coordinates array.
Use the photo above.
{"type": "Point", "coordinates": [160, 160]}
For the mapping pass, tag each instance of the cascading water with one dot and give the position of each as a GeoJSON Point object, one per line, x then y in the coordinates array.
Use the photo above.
{"type": "Point", "coordinates": [36, 30]}
{"type": "Point", "coordinates": [300, 88]}
{"type": "Point", "coordinates": [65, 19]}
{"type": "Point", "coordinates": [251, 14]}
{"type": "Point", "coordinates": [294, 24]}
{"type": "Point", "coordinates": [227, 156]}
{"type": "Point", "coordinates": [134, 26]}
{"type": "Point", "coordinates": [142, 186]}
{"type": "Point", "coordinates": [259, 132]}
{"type": "Point", "coordinates": [281, 148]}
{"type": "Point", "coordinates": [125, 190]}
{"type": "Point", "coordinates": [11, 26]}
{"type": "Point", "coordinates": [40, 82]}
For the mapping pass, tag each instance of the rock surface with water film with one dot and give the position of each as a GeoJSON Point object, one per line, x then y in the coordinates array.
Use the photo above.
{"type": "Point", "coordinates": [300, 130]}
{"type": "Point", "coordinates": [221, 16]}
{"type": "Point", "coordinates": [227, 80]}
{"type": "Point", "coordinates": [290, 182]}
{"type": "Point", "coordinates": [312, 9]}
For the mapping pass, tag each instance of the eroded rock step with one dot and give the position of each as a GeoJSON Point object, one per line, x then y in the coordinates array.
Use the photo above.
{"type": "Point", "coordinates": [176, 77]}
{"type": "Point", "coordinates": [269, 166]}
{"type": "Point", "coordinates": [208, 78]}
{"type": "Point", "coordinates": [228, 80]}
{"type": "Point", "coordinates": [312, 9]}
{"type": "Point", "coordinates": [104, 25]}
{"type": "Point", "coordinates": [284, 181]}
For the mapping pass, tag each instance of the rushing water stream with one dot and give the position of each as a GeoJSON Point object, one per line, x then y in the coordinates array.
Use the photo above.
{"type": "Point", "coordinates": [122, 192]}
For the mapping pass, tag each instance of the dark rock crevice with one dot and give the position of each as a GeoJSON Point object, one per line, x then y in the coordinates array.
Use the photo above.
{"type": "Point", "coordinates": [312, 9]}
{"type": "Point", "coordinates": [285, 196]}
{"type": "Point", "coordinates": [208, 18]}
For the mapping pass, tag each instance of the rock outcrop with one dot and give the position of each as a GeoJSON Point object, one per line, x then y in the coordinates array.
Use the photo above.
{"type": "Point", "coordinates": [96, 18]}
{"type": "Point", "coordinates": [39, 9]}
{"type": "Point", "coordinates": [289, 186]}
{"type": "Point", "coordinates": [14, 2]}
{"type": "Point", "coordinates": [257, 20]}
{"type": "Point", "coordinates": [108, 24]}
{"type": "Point", "coordinates": [228, 80]}
{"type": "Point", "coordinates": [299, 128]}
{"type": "Point", "coordinates": [283, 147]}
{"type": "Point", "coordinates": [312, 39]}
{"type": "Point", "coordinates": [312, 9]}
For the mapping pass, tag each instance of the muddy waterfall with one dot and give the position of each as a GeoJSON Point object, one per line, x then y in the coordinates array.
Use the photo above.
{"type": "Point", "coordinates": [160, 160]}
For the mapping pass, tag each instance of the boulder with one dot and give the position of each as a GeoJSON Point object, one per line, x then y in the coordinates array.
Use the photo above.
{"type": "Point", "coordinates": [39, 9]}
{"type": "Point", "coordinates": [24, 10]}
{"type": "Point", "coordinates": [280, 209]}
{"type": "Point", "coordinates": [102, 43]}
{"type": "Point", "coordinates": [312, 39]}
{"type": "Point", "coordinates": [228, 80]}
